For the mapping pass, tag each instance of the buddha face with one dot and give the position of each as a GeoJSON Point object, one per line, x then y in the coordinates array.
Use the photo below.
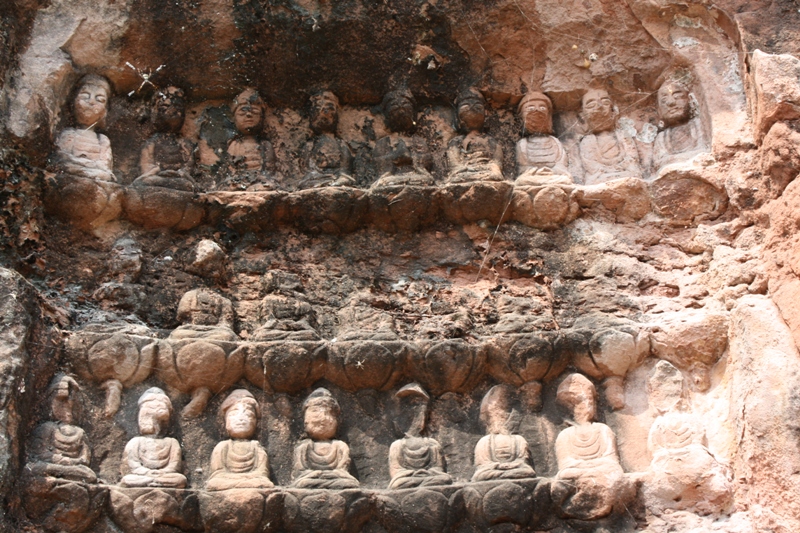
{"type": "Point", "coordinates": [585, 408]}
{"type": "Point", "coordinates": [598, 111]}
{"type": "Point", "coordinates": [400, 114]}
{"type": "Point", "coordinates": [62, 403]}
{"type": "Point", "coordinates": [169, 110]}
{"type": "Point", "coordinates": [90, 105]}
{"type": "Point", "coordinates": [673, 104]}
{"type": "Point", "coordinates": [248, 118]}
{"type": "Point", "coordinates": [471, 114]}
{"type": "Point", "coordinates": [205, 311]}
{"type": "Point", "coordinates": [320, 421]}
{"type": "Point", "coordinates": [324, 114]}
{"type": "Point", "coordinates": [153, 416]}
{"type": "Point", "coordinates": [537, 117]}
{"type": "Point", "coordinates": [241, 421]}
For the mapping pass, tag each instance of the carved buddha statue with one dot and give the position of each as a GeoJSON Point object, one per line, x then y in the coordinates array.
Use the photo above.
{"type": "Point", "coordinates": [401, 158]}
{"type": "Point", "coordinates": [588, 465]}
{"type": "Point", "coordinates": [541, 159]}
{"type": "Point", "coordinates": [364, 318]}
{"type": "Point", "coordinates": [152, 460]}
{"type": "Point", "coordinates": [606, 152]}
{"type": "Point", "coordinates": [167, 159]}
{"type": "Point", "coordinates": [415, 460]}
{"type": "Point", "coordinates": [250, 159]}
{"type": "Point", "coordinates": [81, 151]}
{"type": "Point", "coordinates": [500, 454]}
{"type": "Point", "coordinates": [473, 156]}
{"type": "Point", "coordinates": [320, 461]}
{"type": "Point", "coordinates": [204, 315]}
{"type": "Point", "coordinates": [239, 462]}
{"type": "Point", "coordinates": [327, 157]}
{"type": "Point", "coordinates": [681, 136]}
{"type": "Point", "coordinates": [59, 448]}
{"type": "Point", "coordinates": [285, 311]}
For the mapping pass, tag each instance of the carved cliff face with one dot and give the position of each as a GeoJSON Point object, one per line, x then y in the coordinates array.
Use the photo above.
{"type": "Point", "coordinates": [169, 110]}
{"type": "Point", "coordinates": [324, 113]}
{"type": "Point", "coordinates": [597, 111]}
{"type": "Point", "coordinates": [471, 114]}
{"type": "Point", "coordinates": [241, 421]}
{"type": "Point", "coordinates": [90, 105]}
{"type": "Point", "coordinates": [320, 422]}
{"type": "Point", "coordinates": [153, 417]}
{"type": "Point", "coordinates": [673, 104]}
{"type": "Point", "coordinates": [536, 116]}
{"type": "Point", "coordinates": [248, 119]}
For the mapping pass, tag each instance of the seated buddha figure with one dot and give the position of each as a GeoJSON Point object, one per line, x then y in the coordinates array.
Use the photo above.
{"type": "Point", "coordinates": [592, 480]}
{"type": "Point", "coordinates": [500, 454]}
{"type": "Point", "coordinates": [541, 159]}
{"type": "Point", "coordinates": [364, 317]}
{"type": "Point", "coordinates": [473, 155]}
{"type": "Point", "coordinates": [415, 460]}
{"type": "Point", "coordinates": [681, 136]}
{"type": "Point", "coordinates": [59, 448]}
{"type": "Point", "coordinates": [152, 460]}
{"type": "Point", "coordinates": [328, 158]}
{"type": "Point", "coordinates": [320, 461]}
{"type": "Point", "coordinates": [401, 158]}
{"type": "Point", "coordinates": [285, 312]}
{"type": "Point", "coordinates": [239, 462]}
{"type": "Point", "coordinates": [167, 159]}
{"type": "Point", "coordinates": [250, 158]}
{"type": "Point", "coordinates": [81, 151]}
{"type": "Point", "coordinates": [606, 153]}
{"type": "Point", "coordinates": [204, 315]}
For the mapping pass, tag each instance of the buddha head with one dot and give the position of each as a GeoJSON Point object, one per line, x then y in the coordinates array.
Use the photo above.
{"type": "Point", "coordinates": [203, 307]}
{"type": "Point", "coordinates": [324, 112]}
{"type": "Point", "coordinates": [412, 412]}
{"type": "Point", "coordinates": [248, 111]}
{"type": "Point", "coordinates": [666, 388]}
{"type": "Point", "coordinates": [321, 415]}
{"type": "Point", "coordinates": [536, 111]}
{"type": "Point", "coordinates": [169, 110]}
{"type": "Point", "coordinates": [399, 108]}
{"type": "Point", "coordinates": [90, 105]}
{"type": "Point", "coordinates": [471, 108]}
{"type": "Point", "coordinates": [577, 394]}
{"type": "Point", "coordinates": [674, 103]}
{"type": "Point", "coordinates": [155, 410]}
{"type": "Point", "coordinates": [241, 412]}
{"type": "Point", "coordinates": [598, 112]}
{"type": "Point", "coordinates": [497, 412]}
{"type": "Point", "coordinates": [62, 394]}
{"type": "Point", "coordinates": [125, 260]}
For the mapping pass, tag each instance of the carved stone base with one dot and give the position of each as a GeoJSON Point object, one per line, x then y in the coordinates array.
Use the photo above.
{"type": "Point", "coordinates": [544, 207]}
{"type": "Point", "coordinates": [682, 195]}
{"type": "Point", "coordinates": [241, 510]}
{"type": "Point", "coordinates": [466, 203]}
{"type": "Point", "coordinates": [330, 210]}
{"type": "Point", "coordinates": [84, 202]}
{"type": "Point", "coordinates": [159, 207]}
{"type": "Point", "coordinates": [140, 510]}
{"type": "Point", "coordinates": [627, 198]}
{"type": "Point", "coordinates": [62, 506]}
{"type": "Point", "coordinates": [285, 366]}
{"type": "Point", "coordinates": [403, 208]}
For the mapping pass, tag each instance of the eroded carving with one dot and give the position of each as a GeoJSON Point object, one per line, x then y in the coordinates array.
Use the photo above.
{"type": "Point", "coordinates": [500, 454]}
{"type": "Point", "coordinates": [239, 462]}
{"type": "Point", "coordinates": [681, 136]}
{"type": "Point", "coordinates": [590, 482]}
{"type": "Point", "coordinates": [152, 460]}
{"type": "Point", "coordinates": [473, 155]}
{"type": "Point", "coordinates": [541, 159]}
{"type": "Point", "coordinates": [401, 158]}
{"type": "Point", "coordinates": [285, 312]}
{"type": "Point", "coordinates": [249, 159]}
{"type": "Point", "coordinates": [606, 152]}
{"type": "Point", "coordinates": [320, 461]}
{"type": "Point", "coordinates": [415, 460]}
{"type": "Point", "coordinates": [328, 158]}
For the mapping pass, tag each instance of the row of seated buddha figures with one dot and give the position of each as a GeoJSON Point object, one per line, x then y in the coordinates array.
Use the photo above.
{"type": "Point", "coordinates": [163, 195]}
{"type": "Point", "coordinates": [590, 484]}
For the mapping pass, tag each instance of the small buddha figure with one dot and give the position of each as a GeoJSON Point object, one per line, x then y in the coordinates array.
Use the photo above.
{"type": "Point", "coordinates": [681, 136]}
{"type": "Point", "coordinates": [588, 465]}
{"type": "Point", "coordinates": [59, 448]}
{"type": "Point", "coordinates": [250, 158]}
{"type": "Point", "coordinates": [328, 159]}
{"type": "Point", "coordinates": [239, 462]}
{"type": "Point", "coordinates": [152, 460]}
{"type": "Point", "coordinates": [684, 473]}
{"type": "Point", "coordinates": [81, 151]}
{"type": "Point", "coordinates": [124, 268]}
{"type": "Point", "coordinates": [320, 461]}
{"type": "Point", "coordinates": [285, 311]}
{"type": "Point", "coordinates": [401, 158]}
{"type": "Point", "coordinates": [414, 460]}
{"type": "Point", "coordinates": [606, 152]}
{"type": "Point", "coordinates": [473, 156]}
{"type": "Point", "coordinates": [204, 315]}
{"type": "Point", "coordinates": [501, 454]}
{"type": "Point", "coordinates": [364, 318]}
{"type": "Point", "coordinates": [167, 159]}
{"type": "Point", "coordinates": [541, 159]}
